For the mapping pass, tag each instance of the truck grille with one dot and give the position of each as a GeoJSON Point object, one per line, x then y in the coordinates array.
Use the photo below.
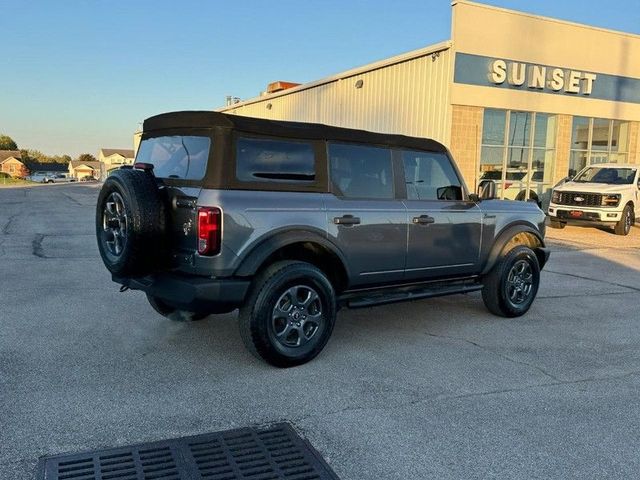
{"type": "Point", "coordinates": [580, 199]}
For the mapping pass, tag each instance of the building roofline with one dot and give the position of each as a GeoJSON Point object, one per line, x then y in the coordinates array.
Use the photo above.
{"type": "Point", "coordinates": [545, 18]}
{"type": "Point", "coordinates": [403, 57]}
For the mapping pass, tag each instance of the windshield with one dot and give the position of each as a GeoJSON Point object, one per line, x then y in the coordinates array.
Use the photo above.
{"type": "Point", "coordinates": [176, 156]}
{"type": "Point", "coordinates": [610, 175]}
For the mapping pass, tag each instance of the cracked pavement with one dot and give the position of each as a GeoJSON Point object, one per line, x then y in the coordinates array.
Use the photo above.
{"type": "Point", "coordinates": [436, 388]}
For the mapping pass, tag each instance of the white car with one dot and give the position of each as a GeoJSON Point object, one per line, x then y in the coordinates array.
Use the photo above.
{"type": "Point", "coordinates": [600, 194]}
{"type": "Point", "coordinates": [40, 177]}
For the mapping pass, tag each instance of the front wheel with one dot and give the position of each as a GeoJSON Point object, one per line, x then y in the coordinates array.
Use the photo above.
{"type": "Point", "coordinates": [623, 227]}
{"type": "Point", "coordinates": [289, 314]}
{"type": "Point", "coordinates": [512, 284]}
{"type": "Point", "coordinates": [557, 224]}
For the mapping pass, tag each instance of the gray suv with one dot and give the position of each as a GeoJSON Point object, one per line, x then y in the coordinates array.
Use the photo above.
{"type": "Point", "coordinates": [291, 221]}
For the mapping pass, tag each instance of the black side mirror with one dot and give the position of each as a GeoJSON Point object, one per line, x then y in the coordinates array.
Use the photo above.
{"type": "Point", "coordinates": [487, 190]}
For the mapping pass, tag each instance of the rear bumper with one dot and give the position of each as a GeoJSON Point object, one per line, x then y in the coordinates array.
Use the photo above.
{"type": "Point", "coordinates": [195, 294]}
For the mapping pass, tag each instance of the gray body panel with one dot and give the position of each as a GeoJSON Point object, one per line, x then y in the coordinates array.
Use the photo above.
{"type": "Point", "coordinates": [448, 246]}
{"type": "Point", "coordinates": [385, 247]}
{"type": "Point", "coordinates": [376, 247]}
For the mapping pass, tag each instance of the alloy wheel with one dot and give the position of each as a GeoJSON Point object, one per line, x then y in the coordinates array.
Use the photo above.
{"type": "Point", "coordinates": [519, 284]}
{"type": "Point", "coordinates": [297, 316]}
{"type": "Point", "coordinates": [114, 224]}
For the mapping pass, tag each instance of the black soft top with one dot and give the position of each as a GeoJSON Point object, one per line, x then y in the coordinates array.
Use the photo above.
{"type": "Point", "coordinates": [278, 128]}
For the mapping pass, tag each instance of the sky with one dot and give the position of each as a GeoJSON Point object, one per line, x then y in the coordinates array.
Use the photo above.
{"type": "Point", "coordinates": [79, 75]}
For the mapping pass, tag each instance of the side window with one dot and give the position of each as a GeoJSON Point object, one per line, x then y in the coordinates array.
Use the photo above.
{"type": "Point", "coordinates": [359, 171]}
{"type": "Point", "coordinates": [430, 176]}
{"type": "Point", "coordinates": [281, 161]}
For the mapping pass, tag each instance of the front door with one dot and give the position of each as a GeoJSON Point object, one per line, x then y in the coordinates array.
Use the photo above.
{"type": "Point", "coordinates": [365, 219]}
{"type": "Point", "coordinates": [444, 229]}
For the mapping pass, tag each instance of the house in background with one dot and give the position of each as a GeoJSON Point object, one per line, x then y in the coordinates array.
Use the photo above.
{"type": "Point", "coordinates": [113, 158]}
{"type": "Point", "coordinates": [11, 163]}
{"type": "Point", "coordinates": [79, 169]}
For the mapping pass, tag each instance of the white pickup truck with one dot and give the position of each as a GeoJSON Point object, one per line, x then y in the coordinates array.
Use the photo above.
{"type": "Point", "coordinates": [601, 194]}
{"type": "Point", "coordinates": [59, 178]}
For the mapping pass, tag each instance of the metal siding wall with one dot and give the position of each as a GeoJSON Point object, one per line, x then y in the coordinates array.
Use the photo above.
{"type": "Point", "coordinates": [411, 98]}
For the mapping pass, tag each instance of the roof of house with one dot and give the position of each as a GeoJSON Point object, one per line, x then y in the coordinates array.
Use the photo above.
{"type": "Point", "coordinates": [76, 163]}
{"type": "Point", "coordinates": [107, 152]}
{"type": "Point", "coordinates": [6, 154]}
{"type": "Point", "coordinates": [45, 167]}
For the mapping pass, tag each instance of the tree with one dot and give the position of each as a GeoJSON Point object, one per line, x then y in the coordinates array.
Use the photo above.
{"type": "Point", "coordinates": [87, 157]}
{"type": "Point", "coordinates": [7, 143]}
{"type": "Point", "coordinates": [39, 157]}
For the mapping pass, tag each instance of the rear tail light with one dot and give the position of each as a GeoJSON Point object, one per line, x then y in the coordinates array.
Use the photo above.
{"type": "Point", "coordinates": [209, 230]}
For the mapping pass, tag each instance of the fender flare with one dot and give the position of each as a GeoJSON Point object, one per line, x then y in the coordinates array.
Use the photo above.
{"type": "Point", "coordinates": [259, 253]}
{"type": "Point", "coordinates": [506, 234]}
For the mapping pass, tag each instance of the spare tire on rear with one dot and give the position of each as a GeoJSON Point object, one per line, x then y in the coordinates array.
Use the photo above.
{"type": "Point", "coordinates": [131, 223]}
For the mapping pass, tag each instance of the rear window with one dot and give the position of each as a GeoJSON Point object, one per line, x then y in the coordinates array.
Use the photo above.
{"type": "Point", "coordinates": [182, 157]}
{"type": "Point", "coordinates": [267, 160]}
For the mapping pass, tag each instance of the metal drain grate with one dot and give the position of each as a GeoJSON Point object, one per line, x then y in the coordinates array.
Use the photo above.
{"type": "Point", "coordinates": [272, 453]}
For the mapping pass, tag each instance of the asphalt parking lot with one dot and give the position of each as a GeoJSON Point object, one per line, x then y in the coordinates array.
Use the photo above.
{"type": "Point", "coordinates": [432, 389]}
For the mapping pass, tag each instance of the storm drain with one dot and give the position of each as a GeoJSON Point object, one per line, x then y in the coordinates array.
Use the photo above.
{"type": "Point", "coordinates": [276, 452]}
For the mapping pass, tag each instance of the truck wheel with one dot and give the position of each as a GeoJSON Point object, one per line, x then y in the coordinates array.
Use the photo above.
{"type": "Point", "coordinates": [131, 224]}
{"type": "Point", "coordinates": [623, 227]}
{"type": "Point", "coordinates": [557, 224]}
{"type": "Point", "coordinates": [173, 314]}
{"type": "Point", "coordinates": [289, 314]}
{"type": "Point", "coordinates": [512, 284]}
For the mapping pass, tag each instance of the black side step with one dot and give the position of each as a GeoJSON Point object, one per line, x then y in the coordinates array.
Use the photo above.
{"type": "Point", "coordinates": [403, 294]}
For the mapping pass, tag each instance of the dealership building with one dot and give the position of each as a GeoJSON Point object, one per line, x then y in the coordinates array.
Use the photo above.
{"type": "Point", "coordinates": [519, 99]}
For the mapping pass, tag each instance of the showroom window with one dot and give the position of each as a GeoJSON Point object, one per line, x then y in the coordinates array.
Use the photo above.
{"type": "Point", "coordinates": [597, 140]}
{"type": "Point", "coordinates": [518, 153]}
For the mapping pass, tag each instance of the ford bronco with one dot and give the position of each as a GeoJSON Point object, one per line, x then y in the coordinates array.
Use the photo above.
{"type": "Point", "coordinates": [291, 221]}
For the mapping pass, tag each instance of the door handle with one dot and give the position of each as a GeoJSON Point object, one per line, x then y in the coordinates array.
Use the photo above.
{"type": "Point", "coordinates": [346, 220]}
{"type": "Point", "coordinates": [423, 220]}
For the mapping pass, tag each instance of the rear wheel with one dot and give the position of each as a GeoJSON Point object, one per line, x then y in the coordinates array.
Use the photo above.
{"type": "Point", "coordinates": [623, 227]}
{"type": "Point", "coordinates": [512, 284]}
{"type": "Point", "coordinates": [289, 314]}
{"type": "Point", "coordinates": [173, 314]}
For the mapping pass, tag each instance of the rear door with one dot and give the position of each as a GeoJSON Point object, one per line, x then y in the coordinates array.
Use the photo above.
{"type": "Point", "coordinates": [444, 229]}
{"type": "Point", "coordinates": [180, 161]}
{"type": "Point", "coordinates": [365, 218]}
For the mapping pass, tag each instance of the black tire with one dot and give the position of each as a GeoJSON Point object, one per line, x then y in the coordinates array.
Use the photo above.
{"type": "Point", "coordinates": [500, 289]}
{"type": "Point", "coordinates": [264, 332]}
{"type": "Point", "coordinates": [140, 221]}
{"type": "Point", "coordinates": [557, 224]}
{"type": "Point", "coordinates": [623, 227]}
{"type": "Point", "coordinates": [174, 314]}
